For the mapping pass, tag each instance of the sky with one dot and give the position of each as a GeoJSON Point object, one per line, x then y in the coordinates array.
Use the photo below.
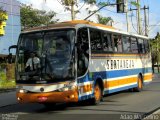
{"type": "Point", "coordinates": [118, 18]}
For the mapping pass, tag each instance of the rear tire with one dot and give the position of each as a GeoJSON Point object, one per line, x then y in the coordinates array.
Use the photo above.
{"type": "Point", "coordinates": [140, 84]}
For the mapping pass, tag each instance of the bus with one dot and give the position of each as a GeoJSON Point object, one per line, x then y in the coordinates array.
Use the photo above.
{"type": "Point", "coordinates": [79, 60]}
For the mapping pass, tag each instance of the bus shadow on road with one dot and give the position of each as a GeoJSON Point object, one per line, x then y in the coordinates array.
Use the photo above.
{"type": "Point", "coordinates": [84, 105]}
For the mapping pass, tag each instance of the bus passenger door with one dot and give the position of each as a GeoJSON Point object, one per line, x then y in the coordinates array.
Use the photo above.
{"type": "Point", "coordinates": [82, 61]}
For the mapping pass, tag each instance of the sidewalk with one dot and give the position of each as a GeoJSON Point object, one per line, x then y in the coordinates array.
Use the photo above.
{"type": "Point", "coordinates": [7, 98]}
{"type": "Point", "coordinates": [156, 75]}
{"type": "Point", "coordinates": [153, 116]}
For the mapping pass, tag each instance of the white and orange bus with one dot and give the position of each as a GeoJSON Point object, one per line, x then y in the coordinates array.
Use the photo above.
{"type": "Point", "coordinates": [79, 60]}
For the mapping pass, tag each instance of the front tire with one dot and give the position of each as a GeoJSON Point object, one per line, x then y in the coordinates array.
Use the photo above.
{"type": "Point", "coordinates": [97, 94]}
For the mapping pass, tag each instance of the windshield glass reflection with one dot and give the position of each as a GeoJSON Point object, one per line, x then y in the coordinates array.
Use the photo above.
{"type": "Point", "coordinates": [46, 55]}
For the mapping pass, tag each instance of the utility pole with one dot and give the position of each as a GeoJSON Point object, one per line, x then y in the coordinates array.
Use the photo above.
{"type": "Point", "coordinates": [145, 20]}
{"type": "Point", "coordinates": [139, 17]}
{"type": "Point", "coordinates": [127, 12]}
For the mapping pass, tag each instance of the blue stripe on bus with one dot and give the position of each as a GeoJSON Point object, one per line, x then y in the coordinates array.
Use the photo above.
{"type": "Point", "coordinates": [119, 89]}
{"type": "Point", "coordinates": [108, 92]}
{"type": "Point", "coordinates": [85, 97]}
{"type": "Point", "coordinates": [114, 74]}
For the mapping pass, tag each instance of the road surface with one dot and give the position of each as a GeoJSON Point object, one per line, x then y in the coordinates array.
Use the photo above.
{"type": "Point", "coordinates": [122, 105]}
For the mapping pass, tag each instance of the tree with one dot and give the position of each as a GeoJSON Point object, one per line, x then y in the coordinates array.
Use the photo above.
{"type": "Point", "coordinates": [155, 47]}
{"type": "Point", "coordinates": [31, 17]}
{"type": "Point", "coordinates": [3, 15]}
{"type": "Point", "coordinates": [104, 20]}
{"type": "Point", "coordinates": [70, 4]}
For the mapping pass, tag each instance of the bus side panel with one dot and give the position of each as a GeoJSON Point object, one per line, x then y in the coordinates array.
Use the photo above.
{"type": "Point", "coordinates": [85, 87]}
{"type": "Point", "coordinates": [118, 72]}
{"type": "Point", "coordinates": [147, 68]}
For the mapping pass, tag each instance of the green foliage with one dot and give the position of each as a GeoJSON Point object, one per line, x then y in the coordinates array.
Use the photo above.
{"type": "Point", "coordinates": [155, 47]}
{"type": "Point", "coordinates": [102, 3]}
{"type": "Point", "coordinates": [2, 76]}
{"type": "Point", "coordinates": [4, 83]}
{"type": "Point", "coordinates": [135, 3]}
{"type": "Point", "coordinates": [3, 66]}
{"type": "Point", "coordinates": [68, 2]}
{"type": "Point", "coordinates": [90, 1]}
{"type": "Point", "coordinates": [104, 20]}
{"type": "Point", "coordinates": [31, 17]}
{"type": "Point", "coordinates": [7, 84]}
{"type": "Point", "coordinates": [3, 15]}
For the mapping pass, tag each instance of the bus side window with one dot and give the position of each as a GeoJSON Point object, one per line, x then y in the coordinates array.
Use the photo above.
{"type": "Point", "coordinates": [146, 45]}
{"type": "Point", "coordinates": [134, 45]}
{"type": "Point", "coordinates": [141, 46]}
{"type": "Point", "coordinates": [126, 44]}
{"type": "Point", "coordinates": [117, 43]}
{"type": "Point", "coordinates": [82, 51]}
{"type": "Point", "coordinates": [96, 40]}
{"type": "Point", "coordinates": [107, 42]}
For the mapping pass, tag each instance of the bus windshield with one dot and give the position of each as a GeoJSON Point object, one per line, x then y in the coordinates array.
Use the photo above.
{"type": "Point", "coordinates": [47, 55]}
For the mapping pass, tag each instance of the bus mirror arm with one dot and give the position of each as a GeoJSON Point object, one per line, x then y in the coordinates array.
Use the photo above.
{"type": "Point", "coordinates": [10, 54]}
{"type": "Point", "coordinates": [12, 47]}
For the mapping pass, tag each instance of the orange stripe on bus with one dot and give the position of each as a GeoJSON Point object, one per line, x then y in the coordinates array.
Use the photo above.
{"type": "Point", "coordinates": [124, 81]}
{"type": "Point", "coordinates": [66, 96]}
{"type": "Point", "coordinates": [147, 77]}
{"type": "Point", "coordinates": [87, 88]}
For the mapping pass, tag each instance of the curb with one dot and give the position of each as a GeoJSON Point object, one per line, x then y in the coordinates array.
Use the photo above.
{"type": "Point", "coordinates": [7, 90]}
{"type": "Point", "coordinates": [153, 115]}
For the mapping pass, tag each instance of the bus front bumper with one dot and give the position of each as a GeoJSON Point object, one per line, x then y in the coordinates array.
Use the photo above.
{"type": "Point", "coordinates": [49, 97]}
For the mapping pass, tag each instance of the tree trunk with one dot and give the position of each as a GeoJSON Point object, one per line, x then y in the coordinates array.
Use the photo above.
{"type": "Point", "coordinates": [72, 11]}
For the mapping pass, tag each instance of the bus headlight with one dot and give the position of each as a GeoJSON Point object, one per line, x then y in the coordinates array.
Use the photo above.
{"type": "Point", "coordinates": [70, 86]}
{"type": "Point", "coordinates": [23, 91]}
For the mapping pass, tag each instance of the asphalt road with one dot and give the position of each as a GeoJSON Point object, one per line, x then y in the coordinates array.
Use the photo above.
{"type": "Point", "coordinates": [123, 105]}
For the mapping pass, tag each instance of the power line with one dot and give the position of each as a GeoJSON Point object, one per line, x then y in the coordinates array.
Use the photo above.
{"type": "Point", "coordinates": [82, 6]}
{"type": "Point", "coordinates": [60, 3]}
{"type": "Point", "coordinates": [110, 10]}
{"type": "Point", "coordinates": [154, 26]}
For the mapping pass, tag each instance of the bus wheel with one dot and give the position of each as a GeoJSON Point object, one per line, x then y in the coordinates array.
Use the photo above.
{"type": "Point", "coordinates": [140, 84]}
{"type": "Point", "coordinates": [97, 94]}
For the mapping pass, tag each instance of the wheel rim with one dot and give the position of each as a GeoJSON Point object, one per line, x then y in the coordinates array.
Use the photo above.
{"type": "Point", "coordinates": [139, 83]}
{"type": "Point", "coordinates": [97, 93]}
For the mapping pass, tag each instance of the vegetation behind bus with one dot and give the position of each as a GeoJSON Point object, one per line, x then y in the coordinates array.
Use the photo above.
{"type": "Point", "coordinates": [155, 47]}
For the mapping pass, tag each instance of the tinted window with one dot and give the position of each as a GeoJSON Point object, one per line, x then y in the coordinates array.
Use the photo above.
{"type": "Point", "coordinates": [134, 46]}
{"type": "Point", "coordinates": [146, 45]}
{"type": "Point", "coordinates": [82, 51]}
{"type": "Point", "coordinates": [141, 46]}
{"type": "Point", "coordinates": [117, 43]}
{"type": "Point", "coordinates": [96, 41]}
{"type": "Point", "coordinates": [107, 42]}
{"type": "Point", "coordinates": [126, 44]}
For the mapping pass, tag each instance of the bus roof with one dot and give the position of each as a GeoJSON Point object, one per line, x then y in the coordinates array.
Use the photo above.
{"type": "Point", "coordinates": [75, 23]}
